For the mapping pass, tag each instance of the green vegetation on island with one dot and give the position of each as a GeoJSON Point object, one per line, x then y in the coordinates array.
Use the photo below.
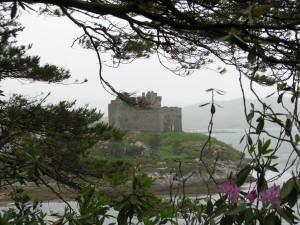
{"type": "Point", "coordinates": [164, 146]}
{"type": "Point", "coordinates": [163, 156]}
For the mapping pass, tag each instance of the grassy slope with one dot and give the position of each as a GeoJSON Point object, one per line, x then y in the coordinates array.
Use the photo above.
{"type": "Point", "coordinates": [191, 145]}
{"type": "Point", "coordinates": [174, 145]}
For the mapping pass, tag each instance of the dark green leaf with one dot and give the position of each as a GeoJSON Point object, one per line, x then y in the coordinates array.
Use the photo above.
{"type": "Point", "coordinates": [286, 215]}
{"type": "Point", "coordinates": [265, 152]}
{"type": "Point", "coordinates": [288, 124]}
{"type": "Point", "coordinates": [252, 56]}
{"type": "Point", "coordinates": [218, 105]}
{"type": "Point", "coordinates": [289, 193]}
{"type": "Point", "coordinates": [260, 50]}
{"type": "Point", "coordinates": [213, 109]}
{"type": "Point", "coordinates": [260, 126]}
{"type": "Point", "coordinates": [297, 181]}
{"type": "Point", "coordinates": [241, 140]}
{"type": "Point", "coordinates": [210, 90]}
{"type": "Point", "coordinates": [212, 222]}
{"type": "Point", "coordinates": [13, 10]}
{"type": "Point", "coordinates": [297, 138]}
{"type": "Point", "coordinates": [239, 38]}
{"type": "Point", "coordinates": [259, 146]}
{"type": "Point", "coordinates": [270, 95]}
{"type": "Point", "coordinates": [275, 119]}
{"type": "Point", "coordinates": [261, 183]}
{"type": "Point", "coordinates": [250, 116]}
{"type": "Point", "coordinates": [272, 168]}
{"type": "Point", "coordinates": [220, 92]}
{"type": "Point", "coordinates": [292, 198]}
{"type": "Point", "coordinates": [287, 187]}
{"type": "Point", "coordinates": [293, 98]}
{"type": "Point", "coordinates": [252, 149]}
{"type": "Point", "coordinates": [238, 209]}
{"type": "Point", "coordinates": [251, 216]}
{"type": "Point", "coordinates": [209, 207]}
{"type": "Point", "coordinates": [243, 175]}
{"type": "Point", "coordinates": [225, 38]}
{"type": "Point", "coordinates": [219, 202]}
{"type": "Point", "coordinates": [270, 219]}
{"type": "Point", "coordinates": [240, 219]}
{"type": "Point", "coordinates": [22, 5]}
{"type": "Point", "coordinates": [250, 18]}
{"type": "Point", "coordinates": [272, 157]}
{"type": "Point", "coordinates": [203, 105]}
{"type": "Point", "coordinates": [134, 200]}
{"type": "Point", "coordinates": [246, 11]}
{"type": "Point", "coordinates": [250, 142]}
{"type": "Point", "coordinates": [220, 210]}
{"type": "Point", "coordinates": [265, 146]}
{"type": "Point", "coordinates": [260, 10]}
{"type": "Point", "coordinates": [226, 220]}
{"type": "Point", "coordinates": [288, 127]}
{"type": "Point", "coordinates": [279, 100]}
{"type": "Point", "coordinates": [281, 86]}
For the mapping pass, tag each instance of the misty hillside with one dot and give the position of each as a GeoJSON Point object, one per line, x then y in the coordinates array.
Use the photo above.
{"type": "Point", "coordinates": [229, 115]}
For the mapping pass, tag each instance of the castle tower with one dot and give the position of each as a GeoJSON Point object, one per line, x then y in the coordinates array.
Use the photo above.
{"type": "Point", "coordinates": [156, 119]}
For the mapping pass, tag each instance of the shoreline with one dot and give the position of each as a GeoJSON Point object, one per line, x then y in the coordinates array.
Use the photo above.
{"type": "Point", "coordinates": [44, 195]}
{"type": "Point", "coordinates": [162, 188]}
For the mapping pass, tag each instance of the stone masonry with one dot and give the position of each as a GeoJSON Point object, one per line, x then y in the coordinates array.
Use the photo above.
{"type": "Point", "coordinates": [156, 119]}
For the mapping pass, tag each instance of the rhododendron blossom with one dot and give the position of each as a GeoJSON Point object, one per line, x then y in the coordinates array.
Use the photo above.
{"type": "Point", "coordinates": [271, 195]}
{"type": "Point", "coordinates": [231, 189]}
{"type": "Point", "coordinates": [251, 196]}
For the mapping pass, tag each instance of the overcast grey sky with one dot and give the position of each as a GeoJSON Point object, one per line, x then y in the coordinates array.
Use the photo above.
{"type": "Point", "coordinates": [52, 39]}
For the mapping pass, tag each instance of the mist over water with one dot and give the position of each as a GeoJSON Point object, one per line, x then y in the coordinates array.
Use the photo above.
{"type": "Point", "coordinates": [287, 158]}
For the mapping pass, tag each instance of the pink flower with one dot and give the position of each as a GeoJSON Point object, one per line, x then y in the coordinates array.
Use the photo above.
{"type": "Point", "coordinates": [275, 202]}
{"type": "Point", "coordinates": [231, 189]}
{"type": "Point", "coordinates": [251, 196]}
{"type": "Point", "coordinates": [272, 195]}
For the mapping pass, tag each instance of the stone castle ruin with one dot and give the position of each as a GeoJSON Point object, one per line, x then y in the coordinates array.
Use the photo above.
{"type": "Point", "coordinates": [156, 119]}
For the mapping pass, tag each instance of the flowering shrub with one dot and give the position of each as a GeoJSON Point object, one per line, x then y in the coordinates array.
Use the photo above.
{"type": "Point", "coordinates": [272, 196]}
{"type": "Point", "coordinates": [231, 189]}
{"type": "Point", "coordinates": [273, 204]}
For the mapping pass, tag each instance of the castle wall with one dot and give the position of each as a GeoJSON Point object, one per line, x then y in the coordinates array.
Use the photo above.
{"type": "Point", "coordinates": [158, 119]}
{"type": "Point", "coordinates": [113, 113]}
{"type": "Point", "coordinates": [171, 118]}
{"type": "Point", "coordinates": [139, 120]}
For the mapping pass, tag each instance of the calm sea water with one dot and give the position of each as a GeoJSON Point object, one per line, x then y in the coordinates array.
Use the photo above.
{"type": "Point", "coordinates": [287, 159]}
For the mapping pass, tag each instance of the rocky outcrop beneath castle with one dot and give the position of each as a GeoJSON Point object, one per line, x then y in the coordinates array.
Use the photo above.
{"type": "Point", "coordinates": [192, 180]}
{"type": "Point", "coordinates": [193, 173]}
{"type": "Point", "coordinates": [175, 158]}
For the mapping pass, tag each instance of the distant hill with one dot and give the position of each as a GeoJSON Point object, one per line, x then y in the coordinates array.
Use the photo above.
{"type": "Point", "coordinates": [229, 115]}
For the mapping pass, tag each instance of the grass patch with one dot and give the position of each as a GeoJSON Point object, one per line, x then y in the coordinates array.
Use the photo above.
{"type": "Point", "coordinates": [165, 146]}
